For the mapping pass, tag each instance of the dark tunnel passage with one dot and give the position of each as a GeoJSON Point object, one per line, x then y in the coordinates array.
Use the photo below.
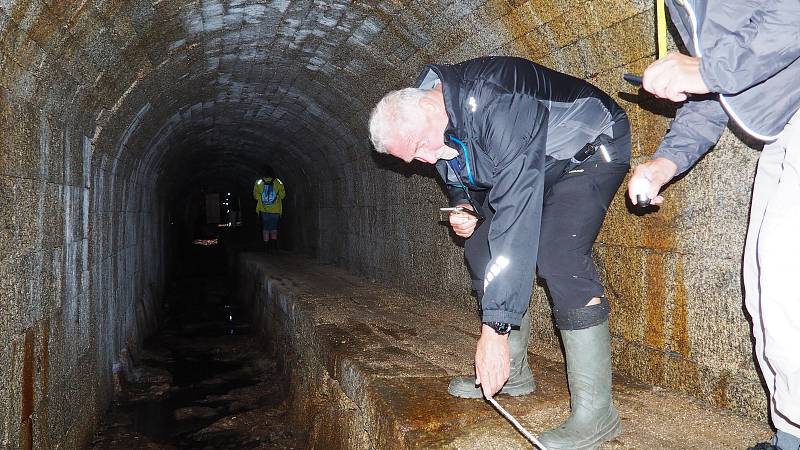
{"type": "Point", "coordinates": [127, 125]}
{"type": "Point", "coordinates": [203, 380]}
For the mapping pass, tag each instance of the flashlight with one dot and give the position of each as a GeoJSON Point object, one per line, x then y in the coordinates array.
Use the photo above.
{"type": "Point", "coordinates": [640, 188]}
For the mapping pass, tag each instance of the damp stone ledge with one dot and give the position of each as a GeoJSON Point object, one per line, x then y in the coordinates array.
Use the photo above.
{"type": "Point", "coordinates": [368, 368]}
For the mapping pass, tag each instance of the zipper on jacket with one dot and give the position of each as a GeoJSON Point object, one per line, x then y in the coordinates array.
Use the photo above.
{"type": "Point", "coordinates": [454, 165]}
{"type": "Point", "coordinates": [466, 157]}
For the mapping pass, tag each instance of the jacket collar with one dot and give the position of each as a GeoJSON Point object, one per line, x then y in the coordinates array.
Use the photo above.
{"type": "Point", "coordinates": [448, 75]}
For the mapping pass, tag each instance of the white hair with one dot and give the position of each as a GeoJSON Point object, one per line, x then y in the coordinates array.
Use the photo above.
{"type": "Point", "coordinates": [398, 112]}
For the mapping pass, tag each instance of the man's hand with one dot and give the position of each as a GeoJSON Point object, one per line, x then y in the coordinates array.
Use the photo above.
{"type": "Point", "coordinates": [673, 77]}
{"type": "Point", "coordinates": [463, 224]}
{"type": "Point", "coordinates": [492, 361]}
{"type": "Point", "coordinates": [656, 173]}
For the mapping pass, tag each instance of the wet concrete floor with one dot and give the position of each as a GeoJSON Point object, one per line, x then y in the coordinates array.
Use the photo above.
{"type": "Point", "coordinates": [202, 382]}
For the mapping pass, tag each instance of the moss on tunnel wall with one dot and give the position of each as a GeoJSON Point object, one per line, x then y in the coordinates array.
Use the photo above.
{"type": "Point", "coordinates": [109, 108]}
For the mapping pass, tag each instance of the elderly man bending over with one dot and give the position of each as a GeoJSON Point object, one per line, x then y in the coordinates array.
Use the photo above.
{"type": "Point", "coordinates": [538, 155]}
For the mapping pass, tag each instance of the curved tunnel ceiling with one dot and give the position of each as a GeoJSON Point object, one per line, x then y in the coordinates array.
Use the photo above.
{"type": "Point", "coordinates": [279, 81]}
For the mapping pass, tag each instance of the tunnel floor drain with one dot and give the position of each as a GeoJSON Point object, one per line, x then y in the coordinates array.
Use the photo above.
{"type": "Point", "coordinates": [202, 382]}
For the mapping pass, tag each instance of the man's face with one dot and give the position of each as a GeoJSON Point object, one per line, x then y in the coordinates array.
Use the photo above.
{"type": "Point", "coordinates": [425, 145]}
{"type": "Point", "coordinates": [424, 141]}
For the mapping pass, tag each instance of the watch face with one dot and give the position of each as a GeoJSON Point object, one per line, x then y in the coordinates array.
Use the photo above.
{"type": "Point", "coordinates": [500, 327]}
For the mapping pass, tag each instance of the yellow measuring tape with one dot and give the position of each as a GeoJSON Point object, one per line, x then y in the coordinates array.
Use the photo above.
{"type": "Point", "coordinates": [661, 28]}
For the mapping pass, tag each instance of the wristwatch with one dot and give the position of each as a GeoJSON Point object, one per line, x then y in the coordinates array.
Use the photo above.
{"type": "Point", "coordinates": [499, 327]}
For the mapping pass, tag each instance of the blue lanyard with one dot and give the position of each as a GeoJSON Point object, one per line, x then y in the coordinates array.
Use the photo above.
{"type": "Point", "coordinates": [456, 166]}
{"type": "Point", "coordinates": [466, 156]}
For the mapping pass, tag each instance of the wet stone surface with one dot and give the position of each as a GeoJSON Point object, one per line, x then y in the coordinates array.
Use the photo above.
{"type": "Point", "coordinates": [202, 382]}
{"type": "Point", "coordinates": [392, 355]}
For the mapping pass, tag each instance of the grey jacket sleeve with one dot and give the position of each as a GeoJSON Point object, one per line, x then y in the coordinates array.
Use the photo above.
{"type": "Point", "coordinates": [696, 127]}
{"type": "Point", "coordinates": [769, 42]}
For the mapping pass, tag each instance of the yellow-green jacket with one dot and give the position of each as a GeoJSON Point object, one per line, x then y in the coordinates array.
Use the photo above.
{"type": "Point", "coordinates": [275, 208]}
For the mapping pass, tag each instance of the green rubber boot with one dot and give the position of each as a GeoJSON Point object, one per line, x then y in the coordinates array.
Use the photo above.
{"type": "Point", "coordinates": [520, 380]}
{"type": "Point", "coordinates": [594, 419]}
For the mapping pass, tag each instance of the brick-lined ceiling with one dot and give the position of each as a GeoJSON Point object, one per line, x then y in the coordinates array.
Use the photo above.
{"type": "Point", "coordinates": [289, 82]}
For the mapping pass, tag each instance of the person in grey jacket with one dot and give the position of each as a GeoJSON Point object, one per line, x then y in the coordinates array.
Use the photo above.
{"type": "Point", "coordinates": [539, 155]}
{"type": "Point", "coordinates": [746, 55]}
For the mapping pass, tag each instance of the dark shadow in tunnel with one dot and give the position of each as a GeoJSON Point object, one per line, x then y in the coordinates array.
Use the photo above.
{"type": "Point", "coordinates": [211, 190]}
{"type": "Point", "coordinates": [202, 381]}
{"type": "Point", "coordinates": [746, 139]}
{"type": "Point", "coordinates": [638, 210]}
{"type": "Point", "coordinates": [388, 162]}
{"type": "Point", "coordinates": [648, 102]}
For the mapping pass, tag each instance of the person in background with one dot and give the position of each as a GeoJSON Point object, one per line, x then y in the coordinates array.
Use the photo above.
{"type": "Point", "coordinates": [538, 155]}
{"type": "Point", "coordinates": [746, 55]}
{"type": "Point", "coordinates": [269, 192]}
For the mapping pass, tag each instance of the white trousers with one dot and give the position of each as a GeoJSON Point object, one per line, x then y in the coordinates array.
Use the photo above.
{"type": "Point", "coordinates": [772, 271]}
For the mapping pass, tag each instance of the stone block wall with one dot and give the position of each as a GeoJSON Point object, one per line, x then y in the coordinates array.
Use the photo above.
{"type": "Point", "coordinates": [80, 250]}
{"type": "Point", "coordinates": [673, 276]}
{"type": "Point", "coordinates": [80, 275]}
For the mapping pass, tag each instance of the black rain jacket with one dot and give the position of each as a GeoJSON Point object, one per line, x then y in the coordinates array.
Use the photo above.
{"type": "Point", "coordinates": [505, 116]}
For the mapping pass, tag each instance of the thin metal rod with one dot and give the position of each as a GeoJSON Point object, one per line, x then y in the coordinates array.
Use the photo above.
{"type": "Point", "coordinates": [514, 421]}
